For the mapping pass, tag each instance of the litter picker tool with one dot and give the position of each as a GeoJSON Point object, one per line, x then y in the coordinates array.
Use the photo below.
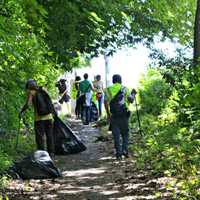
{"type": "Point", "coordinates": [18, 131]}
{"type": "Point", "coordinates": [133, 92]}
{"type": "Point", "coordinates": [138, 117]}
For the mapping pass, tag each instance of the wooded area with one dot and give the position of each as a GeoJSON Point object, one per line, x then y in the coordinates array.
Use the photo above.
{"type": "Point", "coordinates": [41, 39]}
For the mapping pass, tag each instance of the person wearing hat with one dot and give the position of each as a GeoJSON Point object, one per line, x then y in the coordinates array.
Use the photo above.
{"type": "Point", "coordinates": [43, 125]}
{"type": "Point", "coordinates": [116, 100]}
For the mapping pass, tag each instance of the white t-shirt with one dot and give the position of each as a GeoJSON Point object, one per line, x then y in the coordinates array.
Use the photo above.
{"type": "Point", "coordinates": [98, 85]}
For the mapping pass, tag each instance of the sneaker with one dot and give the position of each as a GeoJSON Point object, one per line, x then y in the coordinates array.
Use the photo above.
{"type": "Point", "coordinates": [119, 157]}
{"type": "Point", "coordinates": [126, 155]}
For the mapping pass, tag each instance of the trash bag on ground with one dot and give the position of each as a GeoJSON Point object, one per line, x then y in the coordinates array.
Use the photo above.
{"type": "Point", "coordinates": [66, 142]}
{"type": "Point", "coordinates": [36, 166]}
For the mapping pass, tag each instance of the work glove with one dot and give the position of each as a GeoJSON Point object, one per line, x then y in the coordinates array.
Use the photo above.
{"type": "Point", "coordinates": [131, 97]}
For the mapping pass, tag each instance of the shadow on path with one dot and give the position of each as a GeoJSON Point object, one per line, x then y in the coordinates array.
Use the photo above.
{"type": "Point", "coordinates": [91, 175]}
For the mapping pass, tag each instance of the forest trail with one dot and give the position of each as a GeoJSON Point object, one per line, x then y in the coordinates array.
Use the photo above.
{"type": "Point", "coordinates": [91, 175]}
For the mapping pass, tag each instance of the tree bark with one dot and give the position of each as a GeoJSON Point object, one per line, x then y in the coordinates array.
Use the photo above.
{"type": "Point", "coordinates": [196, 53]}
{"type": "Point", "coordinates": [107, 70]}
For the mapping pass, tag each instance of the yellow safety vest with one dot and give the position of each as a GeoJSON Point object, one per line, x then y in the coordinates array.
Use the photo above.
{"type": "Point", "coordinates": [111, 91]}
{"type": "Point", "coordinates": [74, 92]}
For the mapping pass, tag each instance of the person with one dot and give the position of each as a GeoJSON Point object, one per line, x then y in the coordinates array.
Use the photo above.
{"type": "Point", "coordinates": [43, 113]}
{"type": "Point", "coordinates": [98, 86]}
{"type": "Point", "coordinates": [75, 93]}
{"type": "Point", "coordinates": [62, 88]}
{"type": "Point", "coordinates": [116, 101]}
{"type": "Point", "coordinates": [86, 88]}
{"type": "Point", "coordinates": [63, 93]}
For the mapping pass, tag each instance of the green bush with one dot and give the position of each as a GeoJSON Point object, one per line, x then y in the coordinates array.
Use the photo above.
{"type": "Point", "coordinates": [9, 152]}
{"type": "Point", "coordinates": [23, 55]}
{"type": "Point", "coordinates": [170, 143]}
{"type": "Point", "coordinates": [153, 92]}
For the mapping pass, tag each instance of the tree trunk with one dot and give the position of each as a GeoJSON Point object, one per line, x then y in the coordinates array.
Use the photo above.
{"type": "Point", "coordinates": [107, 70]}
{"type": "Point", "coordinates": [196, 58]}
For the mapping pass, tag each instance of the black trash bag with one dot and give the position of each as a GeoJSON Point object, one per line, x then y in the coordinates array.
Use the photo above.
{"type": "Point", "coordinates": [66, 142]}
{"type": "Point", "coordinates": [36, 166]}
{"type": "Point", "coordinates": [93, 113]}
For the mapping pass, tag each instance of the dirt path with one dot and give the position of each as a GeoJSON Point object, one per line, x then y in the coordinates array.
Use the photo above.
{"type": "Point", "coordinates": [91, 175]}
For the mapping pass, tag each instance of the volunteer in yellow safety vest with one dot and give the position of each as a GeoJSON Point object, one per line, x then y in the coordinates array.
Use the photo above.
{"type": "Point", "coordinates": [116, 100]}
{"type": "Point", "coordinates": [75, 94]}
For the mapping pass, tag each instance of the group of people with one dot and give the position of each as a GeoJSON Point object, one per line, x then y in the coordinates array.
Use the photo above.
{"type": "Point", "coordinates": [116, 99]}
{"type": "Point", "coordinates": [85, 92]}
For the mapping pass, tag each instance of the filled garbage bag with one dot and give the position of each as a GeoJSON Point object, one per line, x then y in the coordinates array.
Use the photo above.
{"type": "Point", "coordinates": [66, 142]}
{"type": "Point", "coordinates": [36, 166]}
{"type": "Point", "coordinates": [93, 113]}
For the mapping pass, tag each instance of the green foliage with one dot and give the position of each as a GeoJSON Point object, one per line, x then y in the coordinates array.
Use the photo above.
{"type": "Point", "coordinates": [9, 152]}
{"type": "Point", "coordinates": [23, 56]}
{"type": "Point", "coordinates": [170, 144]}
{"type": "Point", "coordinates": [6, 161]}
{"type": "Point", "coordinates": [153, 92]}
{"type": "Point", "coordinates": [39, 37]}
{"type": "Point", "coordinates": [172, 19]}
{"type": "Point", "coordinates": [3, 182]}
{"type": "Point", "coordinates": [83, 27]}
